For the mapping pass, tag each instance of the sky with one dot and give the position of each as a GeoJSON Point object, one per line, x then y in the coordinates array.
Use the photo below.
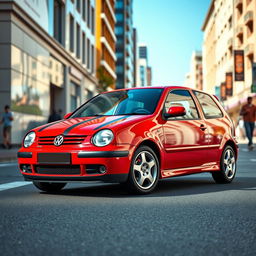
{"type": "Point", "coordinates": [171, 30]}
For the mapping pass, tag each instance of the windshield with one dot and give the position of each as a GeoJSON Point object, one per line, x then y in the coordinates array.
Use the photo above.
{"type": "Point", "coordinates": [128, 102]}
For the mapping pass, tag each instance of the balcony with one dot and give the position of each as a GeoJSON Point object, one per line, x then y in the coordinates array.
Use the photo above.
{"type": "Point", "coordinates": [239, 30]}
{"type": "Point", "coordinates": [249, 49]}
{"type": "Point", "coordinates": [238, 3]}
{"type": "Point", "coordinates": [230, 42]}
{"type": "Point", "coordinates": [248, 17]}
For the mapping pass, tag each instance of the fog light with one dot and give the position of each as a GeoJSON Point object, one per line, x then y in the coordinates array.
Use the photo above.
{"type": "Point", "coordinates": [26, 168]}
{"type": "Point", "coordinates": [102, 169]}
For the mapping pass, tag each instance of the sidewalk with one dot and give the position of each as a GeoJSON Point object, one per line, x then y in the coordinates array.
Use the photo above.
{"type": "Point", "coordinates": [8, 155]}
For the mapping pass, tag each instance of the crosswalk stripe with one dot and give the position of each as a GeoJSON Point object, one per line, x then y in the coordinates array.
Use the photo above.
{"type": "Point", "coordinates": [15, 184]}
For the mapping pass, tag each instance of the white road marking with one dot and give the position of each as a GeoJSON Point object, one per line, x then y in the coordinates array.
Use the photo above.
{"type": "Point", "coordinates": [253, 160]}
{"type": "Point", "coordinates": [15, 184]}
{"type": "Point", "coordinates": [8, 164]}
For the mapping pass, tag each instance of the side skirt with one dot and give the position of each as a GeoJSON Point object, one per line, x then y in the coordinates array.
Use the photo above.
{"type": "Point", "coordinates": [210, 167]}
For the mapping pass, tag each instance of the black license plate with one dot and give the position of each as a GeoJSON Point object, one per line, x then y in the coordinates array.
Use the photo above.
{"type": "Point", "coordinates": [54, 158]}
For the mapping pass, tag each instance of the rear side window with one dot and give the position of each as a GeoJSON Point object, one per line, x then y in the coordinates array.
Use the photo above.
{"type": "Point", "coordinates": [209, 106]}
{"type": "Point", "coordinates": [184, 99]}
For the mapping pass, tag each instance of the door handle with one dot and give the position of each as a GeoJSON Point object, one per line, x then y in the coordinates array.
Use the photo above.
{"type": "Point", "coordinates": [203, 127]}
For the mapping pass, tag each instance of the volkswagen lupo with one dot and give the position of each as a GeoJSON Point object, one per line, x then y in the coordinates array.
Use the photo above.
{"type": "Point", "coordinates": [133, 136]}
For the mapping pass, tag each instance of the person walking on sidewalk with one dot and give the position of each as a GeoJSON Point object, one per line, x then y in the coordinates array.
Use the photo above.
{"type": "Point", "coordinates": [248, 112]}
{"type": "Point", "coordinates": [7, 126]}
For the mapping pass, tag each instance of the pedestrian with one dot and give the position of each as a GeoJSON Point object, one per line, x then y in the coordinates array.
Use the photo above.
{"type": "Point", "coordinates": [248, 112]}
{"type": "Point", "coordinates": [54, 116]}
{"type": "Point", "coordinates": [7, 126]}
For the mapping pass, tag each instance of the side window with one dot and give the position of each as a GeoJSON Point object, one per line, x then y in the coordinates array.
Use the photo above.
{"type": "Point", "coordinates": [184, 99]}
{"type": "Point", "coordinates": [209, 106]}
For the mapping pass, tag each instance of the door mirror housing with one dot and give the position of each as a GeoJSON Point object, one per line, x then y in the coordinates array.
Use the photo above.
{"type": "Point", "coordinates": [175, 111]}
{"type": "Point", "coordinates": [67, 115]}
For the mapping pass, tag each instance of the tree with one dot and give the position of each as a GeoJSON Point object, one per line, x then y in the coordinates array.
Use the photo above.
{"type": "Point", "coordinates": [105, 81]}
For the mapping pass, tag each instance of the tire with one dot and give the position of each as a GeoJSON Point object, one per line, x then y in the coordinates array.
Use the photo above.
{"type": "Point", "coordinates": [227, 167]}
{"type": "Point", "coordinates": [49, 186]}
{"type": "Point", "coordinates": [144, 171]}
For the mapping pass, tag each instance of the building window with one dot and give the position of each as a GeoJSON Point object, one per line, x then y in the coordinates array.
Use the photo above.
{"type": "Point", "coordinates": [239, 10]}
{"type": "Point", "coordinates": [58, 21]}
{"type": "Point", "coordinates": [83, 48]}
{"type": "Point", "coordinates": [74, 96]}
{"type": "Point", "coordinates": [249, 28]}
{"type": "Point", "coordinates": [78, 5]}
{"type": "Point", "coordinates": [84, 9]}
{"type": "Point", "coordinates": [119, 16]}
{"type": "Point", "coordinates": [119, 30]}
{"type": "Point", "coordinates": [77, 41]}
{"type": "Point", "coordinates": [88, 54]}
{"type": "Point", "coordinates": [93, 20]}
{"type": "Point", "coordinates": [92, 57]}
{"type": "Point", "coordinates": [88, 14]}
{"type": "Point", "coordinates": [119, 4]}
{"type": "Point", "coordinates": [71, 34]}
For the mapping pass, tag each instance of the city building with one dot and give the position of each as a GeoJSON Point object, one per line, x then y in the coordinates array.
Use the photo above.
{"type": "Point", "coordinates": [144, 72]}
{"type": "Point", "coordinates": [135, 56]}
{"type": "Point", "coordinates": [187, 80]}
{"type": "Point", "coordinates": [106, 40]}
{"type": "Point", "coordinates": [194, 78]}
{"type": "Point", "coordinates": [149, 76]}
{"type": "Point", "coordinates": [229, 52]}
{"type": "Point", "coordinates": [124, 44]}
{"type": "Point", "coordinates": [47, 52]}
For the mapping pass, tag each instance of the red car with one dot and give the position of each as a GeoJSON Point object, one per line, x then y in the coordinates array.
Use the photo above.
{"type": "Point", "coordinates": [133, 136]}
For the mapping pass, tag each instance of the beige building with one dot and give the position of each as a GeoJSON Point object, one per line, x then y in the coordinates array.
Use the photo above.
{"type": "Point", "coordinates": [217, 44]}
{"type": "Point", "coordinates": [194, 78]}
{"type": "Point", "coordinates": [229, 26]}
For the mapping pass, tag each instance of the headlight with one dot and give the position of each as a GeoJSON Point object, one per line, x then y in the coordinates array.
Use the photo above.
{"type": "Point", "coordinates": [29, 139]}
{"type": "Point", "coordinates": [102, 138]}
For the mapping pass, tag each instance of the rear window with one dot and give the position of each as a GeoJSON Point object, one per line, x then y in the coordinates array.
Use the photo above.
{"type": "Point", "coordinates": [209, 106]}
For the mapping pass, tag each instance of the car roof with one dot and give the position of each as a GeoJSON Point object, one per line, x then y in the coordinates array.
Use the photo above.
{"type": "Point", "coordinates": [154, 87]}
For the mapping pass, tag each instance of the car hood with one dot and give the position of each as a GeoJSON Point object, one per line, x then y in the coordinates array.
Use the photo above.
{"type": "Point", "coordinates": [86, 125]}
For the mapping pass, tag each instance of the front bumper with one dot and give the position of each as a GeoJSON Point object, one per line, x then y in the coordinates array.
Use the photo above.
{"type": "Point", "coordinates": [105, 166]}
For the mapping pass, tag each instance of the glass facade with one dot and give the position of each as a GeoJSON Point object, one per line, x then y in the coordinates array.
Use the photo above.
{"type": "Point", "coordinates": [47, 59]}
{"type": "Point", "coordinates": [30, 82]}
{"type": "Point", "coordinates": [124, 44]}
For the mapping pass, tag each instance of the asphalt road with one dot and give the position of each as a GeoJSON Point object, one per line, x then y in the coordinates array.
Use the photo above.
{"type": "Point", "coordinates": [185, 216]}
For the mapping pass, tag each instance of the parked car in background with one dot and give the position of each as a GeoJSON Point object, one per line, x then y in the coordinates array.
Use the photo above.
{"type": "Point", "coordinates": [133, 136]}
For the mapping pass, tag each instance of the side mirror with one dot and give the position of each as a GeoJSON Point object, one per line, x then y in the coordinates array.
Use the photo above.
{"type": "Point", "coordinates": [175, 111]}
{"type": "Point", "coordinates": [67, 115]}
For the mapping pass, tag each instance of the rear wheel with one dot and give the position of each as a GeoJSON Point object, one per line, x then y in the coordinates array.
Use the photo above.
{"type": "Point", "coordinates": [227, 166]}
{"type": "Point", "coordinates": [49, 186]}
{"type": "Point", "coordinates": [144, 171]}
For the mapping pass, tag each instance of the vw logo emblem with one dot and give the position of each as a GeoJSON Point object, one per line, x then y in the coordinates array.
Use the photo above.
{"type": "Point", "coordinates": [58, 140]}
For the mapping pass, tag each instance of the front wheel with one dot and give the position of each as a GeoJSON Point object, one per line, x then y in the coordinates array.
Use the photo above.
{"type": "Point", "coordinates": [144, 171]}
{"type": "Point", "coordinates": [227, 166]}
{"type": "Point", "coordinates": [49, 186]}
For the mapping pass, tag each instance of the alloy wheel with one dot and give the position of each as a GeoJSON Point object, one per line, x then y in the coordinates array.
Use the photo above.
{"type": "Point", "coordinates": [145, 170]}
{"type": "Point", "coordinates": [229, 163]}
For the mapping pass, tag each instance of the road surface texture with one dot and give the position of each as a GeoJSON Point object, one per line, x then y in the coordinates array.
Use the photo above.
{"type": "Point", "coordinates": [188, 215]}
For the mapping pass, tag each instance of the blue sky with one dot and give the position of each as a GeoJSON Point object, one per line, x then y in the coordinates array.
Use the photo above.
{"type": "Point", "coordinates": [172, 31]}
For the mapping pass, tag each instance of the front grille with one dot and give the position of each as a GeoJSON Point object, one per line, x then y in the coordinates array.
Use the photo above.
{"type": "Point", "coordinates": [68, 140]}
{"type": "Point", "coordinates": [58, 169]}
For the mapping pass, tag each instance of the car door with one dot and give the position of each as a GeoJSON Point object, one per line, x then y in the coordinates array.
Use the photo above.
{"type": "Point", "coordinates": [185, 136]}
{"type": "Point", "coordinates": [216, 123]}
